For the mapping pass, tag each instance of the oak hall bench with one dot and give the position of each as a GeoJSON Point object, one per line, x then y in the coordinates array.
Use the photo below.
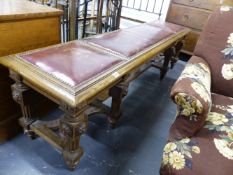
{"type": "Point", "coordinates": [74, 75]}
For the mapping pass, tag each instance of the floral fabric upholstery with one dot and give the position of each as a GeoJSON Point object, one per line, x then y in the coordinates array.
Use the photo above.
{"type": "Point", "coordinates": [210, 151]}
{"type": "Point", "coordinates": [192, 95]}
{"type": "Point", "coordinates": [215, 46]}
{"type": "Point", "coordinates": [201, 138]}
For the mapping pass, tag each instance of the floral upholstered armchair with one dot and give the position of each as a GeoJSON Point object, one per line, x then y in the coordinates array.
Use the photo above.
{"type": "Point", "coordinates": [201, 138]}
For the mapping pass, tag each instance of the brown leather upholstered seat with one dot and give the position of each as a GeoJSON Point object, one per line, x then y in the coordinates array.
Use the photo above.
{"type": "Point", "coordinates": [131, 41]}
{"type": "Point", "coordinates": [77, 62]}
{"type": "Point", "coordinates": [73, 63]}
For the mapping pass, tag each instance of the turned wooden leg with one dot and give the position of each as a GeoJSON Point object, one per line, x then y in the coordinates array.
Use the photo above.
{"type": "Point", "coordinates": [72, 126]}
{"type": "Point", "coordinates": [168, 54]}
{"type": "Point", "coordinates": [117, 93]}
{"type": "Point", "coordinates": [178, 48]}
{"type": "Point", "coordinates": [21, 93]}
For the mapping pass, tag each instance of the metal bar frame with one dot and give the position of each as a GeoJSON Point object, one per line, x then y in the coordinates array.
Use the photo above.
{"type": "Point", "coordinates": [127, 5]}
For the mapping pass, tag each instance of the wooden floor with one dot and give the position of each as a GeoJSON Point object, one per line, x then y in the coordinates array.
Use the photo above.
{"type": "Point", "coordinates": [133, 148]}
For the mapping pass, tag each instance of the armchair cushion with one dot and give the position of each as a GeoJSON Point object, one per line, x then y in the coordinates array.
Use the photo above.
{"type": "Point", "coordinates": [210, 151]}
{"type": "Point", "coordinates": [192, 95]}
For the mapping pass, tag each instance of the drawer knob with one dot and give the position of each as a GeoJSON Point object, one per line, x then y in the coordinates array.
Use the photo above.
{"type": "Point", "coordinates": [186, 17]}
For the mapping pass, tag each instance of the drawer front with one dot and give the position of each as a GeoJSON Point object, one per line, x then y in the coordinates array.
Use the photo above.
{"type": "Point", "coordinates": [204, 4]}
{"type": "Point", "coordinates": [188, 16]}
{"type": "Point", "coordinates": [191, 41]}
{"type": "Point", "coordinates": [228, 2]}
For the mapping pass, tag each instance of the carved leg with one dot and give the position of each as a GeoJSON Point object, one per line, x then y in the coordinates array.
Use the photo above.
{"type": "Point", "coordinates": [167, 57]}
{"type": "Point", "coordinates": [178, 48]}
{"type": "Point", "coordinates": [20, 93]}
{"type": "Point", "coordinates": [72, 126]}
{"type": "Point", "coordinates": [117, 93]}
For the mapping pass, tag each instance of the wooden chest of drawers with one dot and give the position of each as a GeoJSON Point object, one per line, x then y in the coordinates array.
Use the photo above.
{"type": "Point", "coordinates": [24, 25]}
{"type": "Point", "coordinates": [192, 14]}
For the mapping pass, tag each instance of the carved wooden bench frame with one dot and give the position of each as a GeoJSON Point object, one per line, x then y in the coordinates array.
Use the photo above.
{"type": "Point", "coordinates": [77, 104]}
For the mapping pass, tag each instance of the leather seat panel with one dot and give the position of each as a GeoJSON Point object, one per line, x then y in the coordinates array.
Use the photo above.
{"type": "Point", "coordinates": [73, 63]}
{"type": "Point", "coordinates": [130, 41]}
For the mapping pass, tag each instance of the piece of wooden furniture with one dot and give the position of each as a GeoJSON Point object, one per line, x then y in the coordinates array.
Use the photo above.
{"type": "Point", "coordinates": [192, 14]}
{"type": "Point", "coordinates": [74, 75]}
{"type": "Point", "coordinates": [24, 25]}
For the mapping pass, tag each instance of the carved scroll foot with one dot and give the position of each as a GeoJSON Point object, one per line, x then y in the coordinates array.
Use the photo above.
{"type": "Point", "coordinates": [72, 126]}
{"type": "Point", "coordinates": [117, 93]}
{"type": "Point", "coordinates": [72, 158]}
